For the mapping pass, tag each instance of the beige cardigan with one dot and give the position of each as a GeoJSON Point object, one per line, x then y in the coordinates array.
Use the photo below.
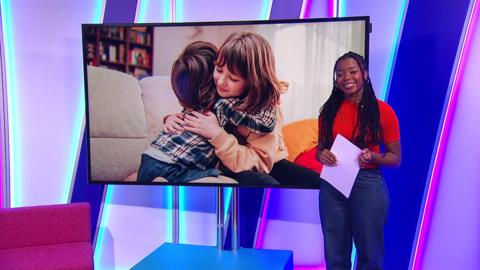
{"type": "Point", "coordinates": [258, 151]}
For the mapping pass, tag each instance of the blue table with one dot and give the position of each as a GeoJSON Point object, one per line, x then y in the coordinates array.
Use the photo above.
{"type": "Point", "coordinates": [183, 256]}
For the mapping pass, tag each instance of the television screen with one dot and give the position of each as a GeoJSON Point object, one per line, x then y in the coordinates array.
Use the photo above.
{"type": "Point", "coordinates": [211, 103]}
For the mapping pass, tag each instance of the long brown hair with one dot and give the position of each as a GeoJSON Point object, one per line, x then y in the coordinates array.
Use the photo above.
{"type": "Point", "coordinates": [250, 56]}
{"type": "Point", "coordinates": [191, 76]}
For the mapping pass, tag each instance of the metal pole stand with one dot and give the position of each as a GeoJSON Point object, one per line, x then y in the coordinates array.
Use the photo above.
{"type": "Point", "coordinates": [235, 219]}
{"type": "Point", "coordinates": [176, 215]}
{"type": "Point", "coordinates": [220, 218]}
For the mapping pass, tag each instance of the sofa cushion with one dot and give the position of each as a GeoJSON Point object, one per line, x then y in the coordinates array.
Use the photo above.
{"type": "Point", "coordinates": [60, 256]}
{"type": "Point", "coordinates": [115, 104]}
{"type": "Point", "coordinates": [159, 101]}
{"type": "Point", "coordinates": [300, 136]}
{"type": "Point", "coordinates": [44, 225]}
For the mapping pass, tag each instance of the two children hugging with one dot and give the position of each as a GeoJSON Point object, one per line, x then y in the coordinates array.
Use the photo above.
{"type": "Point", "coordinates": [199, 80]}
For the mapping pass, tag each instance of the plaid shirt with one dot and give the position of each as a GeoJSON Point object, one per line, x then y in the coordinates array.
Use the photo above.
{"type": "Point", "coordinates": [194, 150]}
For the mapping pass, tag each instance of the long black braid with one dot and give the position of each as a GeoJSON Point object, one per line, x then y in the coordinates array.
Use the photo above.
{"type": "Point", "coordinates": [368, 121]}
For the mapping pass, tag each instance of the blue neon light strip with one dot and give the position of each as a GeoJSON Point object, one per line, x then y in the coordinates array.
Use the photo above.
{"type": "Point", "coordinates": [99, 9]}
{"type": "Point", "coordinates": [266, 9]}
{"type": "Point", "coordinates": [227, 197]}
{"type": "Point", "coordinates": [393, 53]}
{"type": "Point", "coordinates": [142, 10]}
{"type": "Point", "coordinates": [340, 12]}
{"type": "Point", "coordinates": [13, 127]}
{"type": "Point", "coordinates": [167, 7]}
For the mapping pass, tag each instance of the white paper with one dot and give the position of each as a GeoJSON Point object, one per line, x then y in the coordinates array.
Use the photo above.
{"type": "Point", "coordinates": [343, 175]}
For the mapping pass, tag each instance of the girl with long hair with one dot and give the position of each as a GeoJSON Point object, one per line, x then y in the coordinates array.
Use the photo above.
{"type": "Point", "coordinates": [246, 67]}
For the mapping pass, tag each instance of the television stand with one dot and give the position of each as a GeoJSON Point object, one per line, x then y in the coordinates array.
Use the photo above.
{"type": "Point", "coordinates": [185, 256]}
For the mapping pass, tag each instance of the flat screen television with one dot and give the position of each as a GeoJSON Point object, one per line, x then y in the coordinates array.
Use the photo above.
{"type": "Point", "coordinates": [129, 96]}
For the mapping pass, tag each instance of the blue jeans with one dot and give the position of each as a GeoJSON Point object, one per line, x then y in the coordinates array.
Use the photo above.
{"type": "Point", "coordinates": [151, 168]}
{"type": "Point", "coordinates": [360, 218]}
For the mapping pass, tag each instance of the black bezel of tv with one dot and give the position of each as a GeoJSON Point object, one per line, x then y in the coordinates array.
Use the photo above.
{"type": "Point", "coordinates": [365, 53]}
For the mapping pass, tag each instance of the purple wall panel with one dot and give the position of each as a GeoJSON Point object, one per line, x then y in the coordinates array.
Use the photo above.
{"type": "Point", "coordinates": [120, 11]}
{"type": "Point", "coordinates": [286, 9]}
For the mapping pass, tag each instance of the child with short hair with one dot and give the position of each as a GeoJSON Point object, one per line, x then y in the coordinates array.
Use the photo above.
{"type": "Point", "coordinates": [186, 156]}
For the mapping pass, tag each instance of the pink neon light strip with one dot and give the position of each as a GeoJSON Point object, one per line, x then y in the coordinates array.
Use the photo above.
{"type": "Point", "coordinates": [305, 12]}
{"type": "Point", "coordinates": [263, 220]}
{"type": "Point", "coordinates": [445, 132]}
{"type": "Point", "coordinates": [332, 9]}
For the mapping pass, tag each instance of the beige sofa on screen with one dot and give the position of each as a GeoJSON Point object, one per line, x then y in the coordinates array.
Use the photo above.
{"type": "Point", "coordinates": [125, 115]}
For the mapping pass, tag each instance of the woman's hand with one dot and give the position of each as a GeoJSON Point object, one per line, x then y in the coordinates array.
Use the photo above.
{"type": "Point", "coordinates": [326, 157]}
{"type": "Point", "coordinates": [174, 123]}
{"type": "Point", "coordinates": [392, 156]}
{"type": "Point", "coordinates": [205, 125]}
{"type": "Point", "coordinates": [365, 157]}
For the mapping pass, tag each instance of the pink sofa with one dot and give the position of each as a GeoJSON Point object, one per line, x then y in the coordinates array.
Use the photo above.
{"type": "Point", "coordinates": [46, 237]}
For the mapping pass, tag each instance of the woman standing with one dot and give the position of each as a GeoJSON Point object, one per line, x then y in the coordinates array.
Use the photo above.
{"type": "Point", "coordinates": [353, 111]}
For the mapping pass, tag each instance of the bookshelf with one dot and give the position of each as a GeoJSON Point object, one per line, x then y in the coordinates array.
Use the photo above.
{"type": "Point", "coordinates": [126, 49]}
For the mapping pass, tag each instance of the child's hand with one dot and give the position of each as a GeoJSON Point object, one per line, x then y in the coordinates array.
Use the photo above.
{"type": "Point", "coordinates": [364, 157]}
{"type": "Point", "coordinates": [174, 123]}
{"type": "Point", "coordinates": [205, 125]}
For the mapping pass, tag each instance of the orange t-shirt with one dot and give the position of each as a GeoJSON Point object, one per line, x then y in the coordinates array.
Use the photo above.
{"type": "Point", "coordinates": [346, 119]}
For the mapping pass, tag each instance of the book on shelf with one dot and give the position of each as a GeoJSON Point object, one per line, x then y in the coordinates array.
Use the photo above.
{"type": "Point", "coordinates": [143, 38]}
{"type": "Point", "coordinates": [139, 57]}
{"type": "Point", "coordinates": [112, 53]}
{"type": "Point", "coordinates": [90, 50]}
{"type": "Point", "coordinates": [121, 48]}
{"type": "Point", "coordinates": [139, 28]}
{"type": "Point", "coordinates": [101, 52]}
{"type": "Point", "coordinates": [121, 53]}
{"type": "Point", "coordinates": [113, 32]}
